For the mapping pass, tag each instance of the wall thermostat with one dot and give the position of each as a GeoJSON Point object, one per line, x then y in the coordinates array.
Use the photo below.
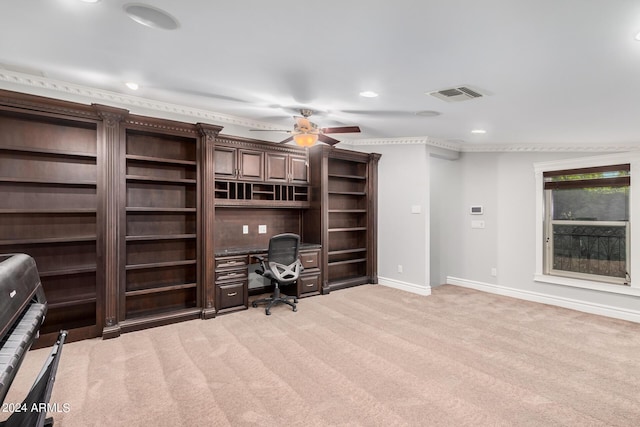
{"type": "Point", "coordinates": [476, 210]}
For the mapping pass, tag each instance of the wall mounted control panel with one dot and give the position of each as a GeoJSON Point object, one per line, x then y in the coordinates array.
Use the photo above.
{"type": "Point", "coordinates": [476, 210]}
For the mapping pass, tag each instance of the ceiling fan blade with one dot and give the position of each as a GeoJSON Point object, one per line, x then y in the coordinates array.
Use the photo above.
{"type": "Point", "coordinates": [342, 129]}
{"type": "Point", "coordinates": [270, 130]}
{"type": "Point", "coordinates": [284, 141]}
{"type": "Point", "coordinates": [327, 139]}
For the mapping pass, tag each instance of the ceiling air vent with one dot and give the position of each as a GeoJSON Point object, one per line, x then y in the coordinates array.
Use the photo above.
{"type": "Point", "coordinates": [462, 93]}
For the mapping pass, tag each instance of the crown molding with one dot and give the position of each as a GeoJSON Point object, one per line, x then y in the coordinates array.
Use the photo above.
{"type": "Point", "coordinates": [566, 148]}
{"type": "Point", "coordinates": [43, 86]}
{"type": "Point", "coordinates": [420, 140]}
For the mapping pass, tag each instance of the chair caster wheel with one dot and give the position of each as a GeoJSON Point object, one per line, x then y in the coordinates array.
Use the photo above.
{"type": "Point", "coordinates": [295, 300]}
{"type": "Point", "coordinates": [268, 313]}
{"type": "Point", "coordinates": [295, 309]}
{"type": "Point", "coordinates": [253, 304]}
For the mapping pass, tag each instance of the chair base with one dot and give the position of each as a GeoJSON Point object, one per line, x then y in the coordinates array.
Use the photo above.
{"type": "Point", "coordinates": [276, 298]}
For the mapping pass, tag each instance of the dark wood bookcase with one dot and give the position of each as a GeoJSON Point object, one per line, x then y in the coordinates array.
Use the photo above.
{"type": "Point", "coordinates": [128, 217]}
{"type": "Point", "coordinates": [160, 256]}
{"type": "Point", "coordinates": [49, 196]}
{"type": "Point", "coordinates": [343, 215]}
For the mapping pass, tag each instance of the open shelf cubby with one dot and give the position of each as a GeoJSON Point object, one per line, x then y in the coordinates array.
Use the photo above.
{"type": "Point", "coordinates": [160, 239]}
{"type": "Point", "coordinates": [49, 169]}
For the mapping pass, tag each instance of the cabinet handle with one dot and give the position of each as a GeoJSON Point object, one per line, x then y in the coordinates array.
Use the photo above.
{"type": "Point", "coordinates": [232, 294]}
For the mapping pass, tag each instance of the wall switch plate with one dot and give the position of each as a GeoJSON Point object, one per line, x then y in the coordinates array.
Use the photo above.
{"type": "Point", "coordinates": [262, 229]}
{"type": "Point", "coordinates": [245, 229]}
{"type": "Point", "coordinates": [416, 209]}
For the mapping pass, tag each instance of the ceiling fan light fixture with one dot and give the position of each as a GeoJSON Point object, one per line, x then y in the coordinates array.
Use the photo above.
{"type": "Point", "coordinates": [305, 139]}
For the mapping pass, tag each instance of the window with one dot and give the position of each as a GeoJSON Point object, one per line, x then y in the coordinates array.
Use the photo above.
{"type": "Point", "coordinates": [584, 233]}
{"type": "Point", "coordinates": [587, 223]}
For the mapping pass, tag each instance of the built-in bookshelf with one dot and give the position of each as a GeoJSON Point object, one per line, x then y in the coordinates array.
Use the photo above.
{"type": "Point", "coordinates": [257, 194]}
{"type": "Point", "coordinates": [160, 265]}
{"type": "Point", "coordinates": [342, 216]}
{"type": "Point", "coordinates": [347, 223]}
{"type": "Point", "coordinates": [49, 169]}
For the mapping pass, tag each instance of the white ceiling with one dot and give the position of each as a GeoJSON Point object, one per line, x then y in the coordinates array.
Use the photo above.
{"type": "Point", "coordinates": [555, 72]}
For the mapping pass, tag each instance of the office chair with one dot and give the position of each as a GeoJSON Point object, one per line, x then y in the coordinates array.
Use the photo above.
{"type": "Point", "coordinates": [282, 267]}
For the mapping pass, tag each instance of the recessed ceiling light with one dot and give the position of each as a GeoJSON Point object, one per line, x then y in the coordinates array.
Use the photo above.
{"type": "Point", "coordinates": [150, 16]}
{"type": "Point", "coordinates": [427, 113]}
{"type": "Point", "coordinates": [478, 131]}
{"type": "Point", "coordinates": [132, 85]}
{"type": "Point", "coordinates": [90, 1]}
{"type": "Point", "coordinates": [368, 94]}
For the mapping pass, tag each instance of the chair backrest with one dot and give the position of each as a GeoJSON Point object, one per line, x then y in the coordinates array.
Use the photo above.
{"type": "Point", "coordinates": [284, 248]}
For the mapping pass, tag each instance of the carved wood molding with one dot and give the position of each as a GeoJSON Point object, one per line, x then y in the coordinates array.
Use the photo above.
{"type": "Point", "coordinates": [33, 103]}
{"type": "Point", "coordinates": [258, 144]}
{"type": "Point", "coordinates": [207, 131]}
{"type": "Point", "coordinates": [160, 125]}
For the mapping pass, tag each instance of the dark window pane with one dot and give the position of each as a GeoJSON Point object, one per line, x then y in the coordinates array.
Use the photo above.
{"type": "Point", "coordinates": [591, 204]}
{"type": "Point", "coordinates": [590, 249]}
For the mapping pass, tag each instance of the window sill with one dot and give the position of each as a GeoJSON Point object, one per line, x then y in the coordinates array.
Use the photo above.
{"type": "Point", "coordinates": [587, 284]}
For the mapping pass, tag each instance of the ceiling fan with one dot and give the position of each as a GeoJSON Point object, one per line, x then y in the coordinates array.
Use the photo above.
{"type": "Point", "coordinates": [306, 133]}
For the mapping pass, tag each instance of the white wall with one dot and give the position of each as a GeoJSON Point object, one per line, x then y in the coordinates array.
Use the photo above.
{"type": "Point", "coordinates": [505, 184]}
{"type": "Point", "coordinates": [439, 246]}
{"type": "Point", "coordinates": [446, 215]}
{"type": "Point", "coordinates": [403, 237]}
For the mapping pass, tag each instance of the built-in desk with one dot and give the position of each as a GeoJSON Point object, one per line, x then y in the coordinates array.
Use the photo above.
{"type": "Point", "coordinates": [235, 268]}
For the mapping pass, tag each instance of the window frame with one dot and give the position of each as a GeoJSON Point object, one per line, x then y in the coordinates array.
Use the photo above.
{"type": "Point", "coordinates": [589, 281]}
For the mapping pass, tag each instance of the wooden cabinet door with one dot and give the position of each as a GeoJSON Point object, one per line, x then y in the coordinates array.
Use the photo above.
{"type": "Point", "coordinates": [250, 164]}
{"type": "Point", "coordinates": [277, 167]}
{"type": "Point", "coordinates": [298, 169]}
{"type": "Point", "coordinates": [225, 162]}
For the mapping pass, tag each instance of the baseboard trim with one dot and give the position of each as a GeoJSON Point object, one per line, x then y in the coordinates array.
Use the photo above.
{"type": "Point", "coordinates": [424, 290]}
{"type": "Point", "coordinates": [587, 307]}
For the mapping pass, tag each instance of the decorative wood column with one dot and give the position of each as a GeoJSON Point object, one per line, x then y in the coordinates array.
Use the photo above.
{"type": "Point", "coordinates": [372, 217]}
{"type": "Point", "coordinates": [208, 134]}
{"type": "Point", "coordinates": [109, 136]}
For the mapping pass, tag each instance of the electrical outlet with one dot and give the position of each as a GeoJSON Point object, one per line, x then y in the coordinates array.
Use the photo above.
{"type": "Point", "coordinates": [245, 229]}
{"type": "Point", "coordinates": [262, 229]}
{"type": "Point", "coordinates": [494, 272]}
{"type": "Point", "coordinates": [477, 224]}
{"type": "Point", "coordinates": [399, 268]}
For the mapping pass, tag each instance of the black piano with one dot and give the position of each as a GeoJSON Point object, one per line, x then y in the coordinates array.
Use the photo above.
{"type": "Point", "coordinates": [23, 307]}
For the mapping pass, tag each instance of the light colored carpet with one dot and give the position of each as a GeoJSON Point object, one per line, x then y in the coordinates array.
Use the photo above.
{"type": "Point", "coordinates": [365, 356]}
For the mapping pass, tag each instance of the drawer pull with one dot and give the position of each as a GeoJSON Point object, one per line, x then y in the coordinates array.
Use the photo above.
{"type": "Point", "coordinates": [310, 260]}
{"type": "Point", "coordinates": [232, 294]}
{"type": "Point", "coordinates": [310, 285]}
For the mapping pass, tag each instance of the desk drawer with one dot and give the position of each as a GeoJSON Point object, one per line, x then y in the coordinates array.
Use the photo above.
{"type": "Point", "coordinates": [236, 274]}
{"type": "Point", "coordinates": [232, 295]}
{"type": "Point", "coordinates": [231, 262]}
{"type": "Point", "coordinates": [309, 284]}
{"type": "Point", "coordinates": [310, 259]}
